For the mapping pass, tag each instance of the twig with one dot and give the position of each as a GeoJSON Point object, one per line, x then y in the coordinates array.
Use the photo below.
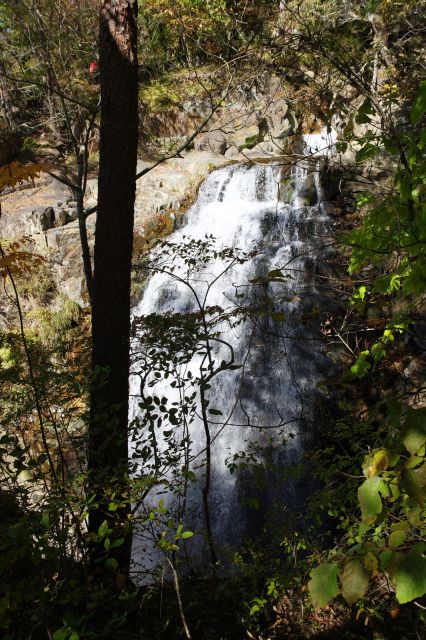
{"type": "Point", "coordinates": [179, 599]}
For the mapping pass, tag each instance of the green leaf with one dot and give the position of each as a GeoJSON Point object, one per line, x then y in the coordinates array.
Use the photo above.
{"type": "Point", "coordinates": [361, 365]}
{"type": "Point", "coordinates": [354, 581]}
{"type": "Point", "coordinates": [323, 585]}
{"type": "Point", "coordinates": [419, 106]}
{"type": "Point", "coordinates": [111, 564]}
{"type": "Point", "coordinates": [117, 543]}
{"type": "Point", "coordinates": [413, 485]}
{"type": "Point", "coordinates": [215, 412]}
{"type": "Point", "coordinates": [187, 534]}
{"type": "Point", "coordinates": [360, 293]}
{"type": "Point", "coordinates": [404, 186]}
{"type": "Point", "coordinates": [367, 152]}
{"type": "Point", "coordinates": [386, 558]}
{"type": "Point", "coordinates": [364, 112]}
{"type": "Point", "coordinates": [413, 462]}
{"type": "Point", "coordinates": [103, 530]}
{"type": "Point", "coordinates": [61, 634]}
{"type": "Point", "coordinates": [397, 538]}
{"type": "Point", "coordinates": [409, 575]}
{"type": "Point", "coordinates": [415, 433]}
{"type": "Point", "coordinates": [369, 497]}
{"type": "Point", "coordinates": [390, 146]}
{"type": "Point", "coordinates": [414, 516]}
{"type": "Point", "coordinates": [45, 521]}
{"type": "Point", "coordinates": [375, 463]}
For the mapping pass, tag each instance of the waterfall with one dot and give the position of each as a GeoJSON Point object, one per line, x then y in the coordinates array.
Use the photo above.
{"type": "Point", "coordinates": [235, 292]}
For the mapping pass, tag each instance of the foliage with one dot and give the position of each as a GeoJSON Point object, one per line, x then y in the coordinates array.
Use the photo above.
{"type": "Point", "coordinates": [17, 173]}
{"type": "Point", "coordinates": [49, 46]}
{"type": "Point", "coordinates": [362, 537]}
{"type": "Point", "coordinates": [390, 538]}
{"type": "Point", "coordinates": [391, 499]}
{"type": "Point", "coordinates": [189, 32]}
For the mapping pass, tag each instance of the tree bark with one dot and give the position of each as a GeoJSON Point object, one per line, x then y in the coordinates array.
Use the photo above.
{"type": "Point", "coordinates": [108, 454]}
{"type": "Point", "coordinates": [5, 101]}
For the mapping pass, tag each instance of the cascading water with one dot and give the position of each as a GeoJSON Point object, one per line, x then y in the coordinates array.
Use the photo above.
{"type": "Point", "coordinates": [226, 416]}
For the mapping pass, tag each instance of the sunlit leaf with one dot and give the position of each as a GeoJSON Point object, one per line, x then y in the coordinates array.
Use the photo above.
{"type": "Point", "coordinates": [354, 581]}
{"type": "Point", "coordinates": [323, 585]}
{"type": "Point", "coordinates": [369, 497]}
{"type": "Point", "coordinates": [409, 574]}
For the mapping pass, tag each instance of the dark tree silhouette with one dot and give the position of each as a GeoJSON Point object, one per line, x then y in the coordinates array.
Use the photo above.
{"type": "Point", "coordinates": [107, 456]}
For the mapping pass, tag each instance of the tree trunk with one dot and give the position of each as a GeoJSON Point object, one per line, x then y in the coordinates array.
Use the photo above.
{"type": "Point", "coordinates": [107, 455]}
{"type": "Point", "coordinates": [5, 101]}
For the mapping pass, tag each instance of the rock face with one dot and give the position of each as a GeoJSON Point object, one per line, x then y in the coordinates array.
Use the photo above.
{"type": "Point", "coordinates": [252, 124]}
{"type": "Point", "coordinates": [46, 213]}
{"type": "Point", "coordinates": [251, 117]}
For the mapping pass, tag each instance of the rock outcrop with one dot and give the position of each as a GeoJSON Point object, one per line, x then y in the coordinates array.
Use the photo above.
{"type": "Point", "coordinates": [254, 121]}
{"type": "Point", "coordinates": [46, 213]}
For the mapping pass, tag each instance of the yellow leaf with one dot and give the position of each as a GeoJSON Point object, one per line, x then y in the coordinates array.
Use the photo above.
{"type": "Point", "coordinates": [16, 173]}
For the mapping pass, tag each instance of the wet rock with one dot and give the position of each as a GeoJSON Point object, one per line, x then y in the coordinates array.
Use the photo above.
{"type": "Point", "coordinates": [308, 194]}
{"type": "Point", "coordinates": [331, 178]}
{"type": "Point", "coordinates": [415, 336]}
{"type": "Point", "coordinates": [169, 186]}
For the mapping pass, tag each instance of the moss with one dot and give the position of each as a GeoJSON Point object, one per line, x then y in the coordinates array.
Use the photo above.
{"type": "Point", "coordinates": [173, 88]}
{"type": "Point", "coordinates": [38, 283]}
{"type": "Point", "coordinates": [159, 94]}
{"type": "Point", "coordinates": [51, 325]}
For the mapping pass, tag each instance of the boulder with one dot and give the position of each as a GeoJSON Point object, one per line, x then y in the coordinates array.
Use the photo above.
{"type": "Point", "coordinates": [234, 154]}
{"type": "Point", "coordinates": [214, 141]}
{"type": "Point", "coordinates": [288, 127]}
{"type": "Point", "coordinates": [261, 150]}
{"type": "Point", "coordinates": [71, 214]}
{"type": "Point", "coordinates": [61, 217]}
{"type": "Point", "coordinates": [42, 219]}
{"type": "Point", "coordinates": [245, 137]}
{"type": "Point", "coordinates": [276, 115]}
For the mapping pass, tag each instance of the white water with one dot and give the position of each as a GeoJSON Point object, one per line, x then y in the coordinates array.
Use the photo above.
{"type": "Point", "coordinates": [321, 143]}
{"type": "Point", "coordinates": [268, 403]}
